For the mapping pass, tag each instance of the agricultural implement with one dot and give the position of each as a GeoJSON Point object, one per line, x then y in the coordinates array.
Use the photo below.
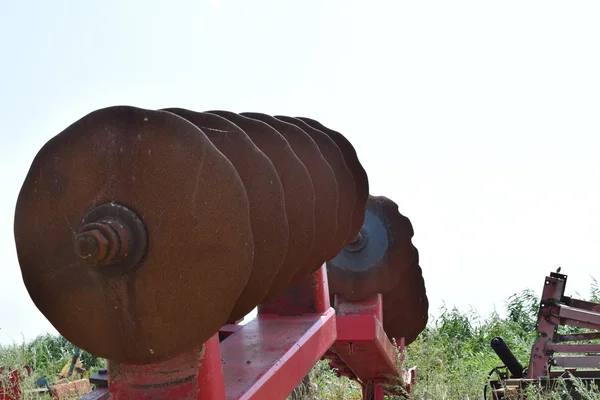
{"type": "Point", "coordinates": [10, 382]}
{"type": "Point", "coordinates": [169, 226]}
{"type": "Point", "coordinates": [555, 354]}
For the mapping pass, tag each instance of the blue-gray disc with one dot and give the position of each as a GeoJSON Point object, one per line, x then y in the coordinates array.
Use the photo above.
{"type": "Point", "coordinates": [370, 249]}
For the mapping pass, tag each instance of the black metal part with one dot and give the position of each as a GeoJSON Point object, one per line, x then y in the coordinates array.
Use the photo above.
{"type": "Point", "coordinates": [100, 379]}
{"type": "Point", "coordinates": [507, 357]}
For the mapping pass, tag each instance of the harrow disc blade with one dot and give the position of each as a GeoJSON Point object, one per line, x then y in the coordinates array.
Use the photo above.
{"type": "Point", "coordinates": [378, 258]}
{"type": "Point", "coordinates": [298, 192]}
{"type": "Point", "coordinates": [361, 181]}
{"type": "Point", "coordinates": [325, 187]}
{"type": "Point", "coordinates": [126, 181]}
{"type": "Point", "coordinates": [345, 181]}
{"type": "Point", "coordinates": [165, 225]}
{"type": "Point", "coordinates": [406, 307]}
{"type": "Point", "coordinates": [266, 201]}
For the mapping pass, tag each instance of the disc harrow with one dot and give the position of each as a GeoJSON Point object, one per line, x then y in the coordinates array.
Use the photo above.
{"type": "Point", "coordinates": [151, 216]}
{"type": "Point", "coordinates": [169, 226]}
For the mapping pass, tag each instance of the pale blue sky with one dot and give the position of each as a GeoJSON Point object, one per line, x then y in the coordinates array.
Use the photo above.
{"type": "Point", "coordinates": [480, 119]}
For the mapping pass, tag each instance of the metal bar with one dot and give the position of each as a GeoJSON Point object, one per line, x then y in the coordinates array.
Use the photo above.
{"type": "Point", "coordinates": [586, 316]}
{"type": "Point", "coordinates": [378, 390]}
{"type": "Point", "coordinates": [577, 362]}
{"type": "Point", "coordinates": [267, 357]}
{"type": "Point", "coordinates": [507, 357]}
{"type": "Point", "coordinates": [582, 304]}
{"type": "Point", "coordinates": [370, 306]}
{"type": "Point", "coordinates": [574, 348]}
{"type": "Point", "coordinates": [552, 293]}
{"type": "Point", "coordinates": [577, 323]}
{"type": "Point", "coordinates": [574, 337]}
{"type": "Point", "coordinates": [361, 343]}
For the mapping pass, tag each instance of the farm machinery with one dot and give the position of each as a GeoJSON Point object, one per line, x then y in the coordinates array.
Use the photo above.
{"type": "Point", "coordinates": [568, 356]}
{"type": "Point", "coordinates": [169, 226]}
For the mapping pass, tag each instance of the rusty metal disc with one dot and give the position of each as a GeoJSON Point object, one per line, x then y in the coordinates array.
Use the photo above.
{"type": "Point", "coordinates": [295, 180]}
{"type": "Point", "coordinates": [162, 171]}
{"type": "Point", "coordinates": [361, 180]}
{"type": "Point", "coordinates": [406, 307]}
{"type": "Point", "coordinates": [345, 181]}
{"type": "Point", "coordinates": [325, 187]}
{"type": "Point", "coordinates": [377, 259]}
{"type": "Point", "coordinates": [265, 197]}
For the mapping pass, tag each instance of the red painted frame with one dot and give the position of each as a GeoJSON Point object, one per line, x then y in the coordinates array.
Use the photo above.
{"type": "Point", "coordinates": [267, 357]}
{"type": "Point", "coordinates": [362, 349]}
{"type": "Point", "coordinates": [557, 309]}
{"type": "Point", "coordinates": [270, 355]}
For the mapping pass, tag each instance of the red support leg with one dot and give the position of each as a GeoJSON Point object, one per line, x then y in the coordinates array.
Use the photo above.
{"type": "Point", "coordinates": [211, 385]}
{"type": "Point", "coordinates": [176, 378]}
{"type": "Point", "coordinates": [378, 392]}
{"type": "Point", "coordinates": [373, 390]}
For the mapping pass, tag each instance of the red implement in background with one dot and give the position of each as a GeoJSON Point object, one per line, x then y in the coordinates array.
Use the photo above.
{"type": "Point", "coordinates": [555, 354]}
{"type": "Point", "coordinates": [269, 356]}
{"type": "Point", "coordinates": [10, 382]}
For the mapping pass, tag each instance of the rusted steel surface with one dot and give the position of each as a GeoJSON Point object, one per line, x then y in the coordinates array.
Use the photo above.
{"type": "Point", "coordinates": [298, 192]}
{"type": "Point", "coordinates": [168, 224]}
{"type": "Point", "coordinates": [344, 178]}
{"type": "Point", "coordinates": [383, 260]}
{"type": "Point", "coordinates": [377, 259]}
{"type": "Point", "coordinates": [406, 307]}
{"type": "Point", "coordinates": [265, 199]}
{"type": "Point", "coordinates": [361, 182]}
{"type": "Point", "coordinates": [325, 186]}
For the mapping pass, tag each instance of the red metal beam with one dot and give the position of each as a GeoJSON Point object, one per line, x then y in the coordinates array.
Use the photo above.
{"type": "Point", "coordinates": [361, 341]}
{"type": "Point", "coordinates": [269, 356]}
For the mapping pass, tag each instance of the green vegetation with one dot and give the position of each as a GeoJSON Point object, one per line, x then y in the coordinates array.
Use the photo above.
{"type": "Point", "coordinates": [46, 355]}
{"type": "Point", "coordinates": [453, 355]}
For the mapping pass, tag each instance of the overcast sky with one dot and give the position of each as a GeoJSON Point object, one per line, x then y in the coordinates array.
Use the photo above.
{"type": "Point", "coordinates": [480, 119]}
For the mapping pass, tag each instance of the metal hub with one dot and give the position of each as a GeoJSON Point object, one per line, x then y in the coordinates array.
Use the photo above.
{"type": "Point", "coordinates": [112, 238]}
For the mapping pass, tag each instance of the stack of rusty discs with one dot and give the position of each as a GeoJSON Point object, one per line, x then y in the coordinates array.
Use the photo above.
{"type": "Point", "coordinates": [141, 232]}
{"type": "Point", "coordinates": [382, 259]}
